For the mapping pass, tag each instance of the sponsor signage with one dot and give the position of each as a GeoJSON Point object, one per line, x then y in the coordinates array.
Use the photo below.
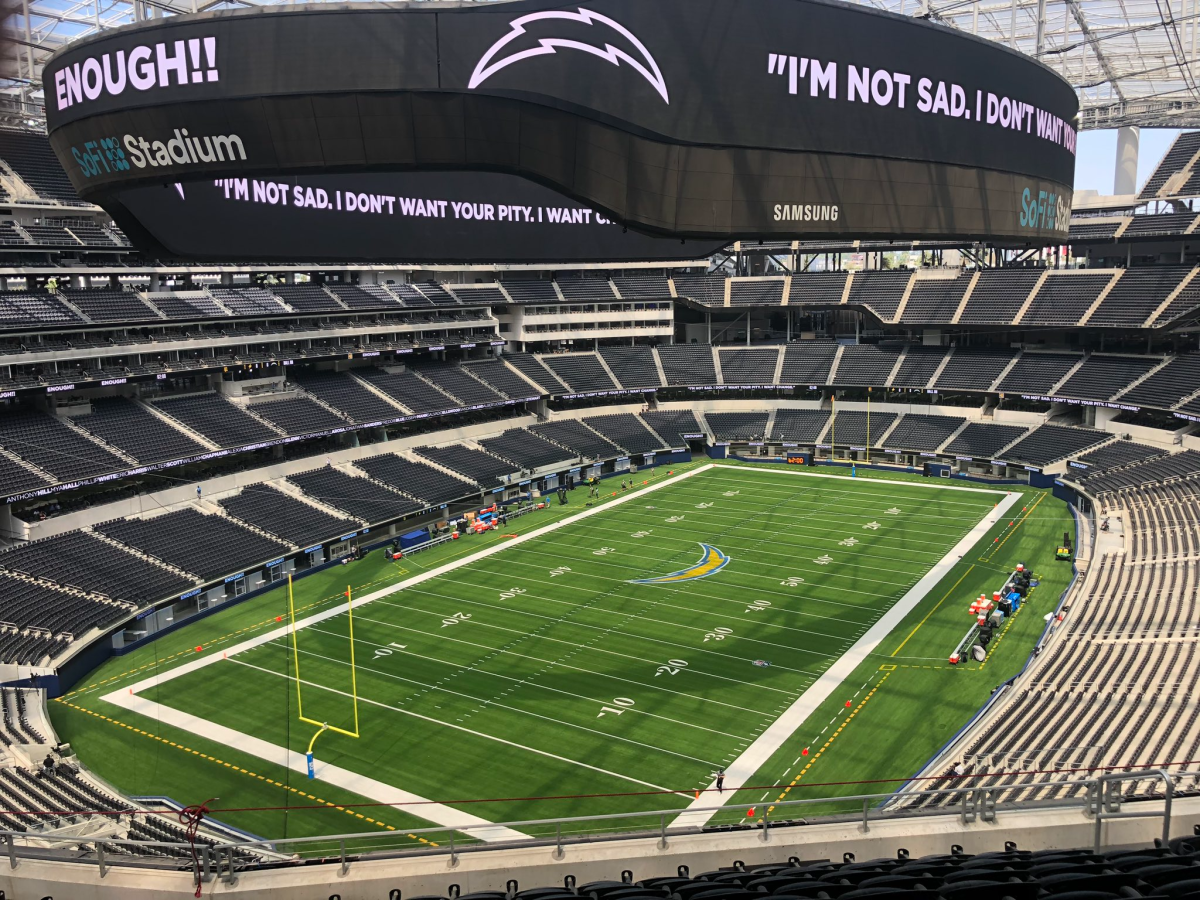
{"type": "Point", "coordinates": [813, 112]}
{"type": "Point", "coordinates": [1075, 401]}
{"type": "Point", "coordinates": [230, 578]}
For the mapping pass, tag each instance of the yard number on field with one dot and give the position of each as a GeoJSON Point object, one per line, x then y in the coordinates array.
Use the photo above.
{"type": "Point", "coordinates": [758, 606]}
{"type": "Point", "coordinates": [561, 570]}
{"type": "Point", "coordinates": [671, 668]}
{"type": "Point", "coordinates": [640, 534]}
{"type": "Point", "coordinates": [384, 651]}
{"type": "Point", "coordinates": [620, 704]}
{"type": "Point", "coordinates": [511, 592]}
{"type": "Point", "coordinates": [455, 619]}
{"type": "Point", "coordinates": [792, 581]}
{"type": "Point", "coordinates": [717, 634]}
{"type": "Point", "coordinates": [604, 551]}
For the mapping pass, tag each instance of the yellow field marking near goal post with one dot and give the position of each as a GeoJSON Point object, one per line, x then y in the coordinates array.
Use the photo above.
{"type": "Point", "coordinates": [322, 727]}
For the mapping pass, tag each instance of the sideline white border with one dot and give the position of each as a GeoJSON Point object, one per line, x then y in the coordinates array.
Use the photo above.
{"type": "Point", "coordinates": [440, 814]}
{"type": "Point", "coordinates": [766, 744]}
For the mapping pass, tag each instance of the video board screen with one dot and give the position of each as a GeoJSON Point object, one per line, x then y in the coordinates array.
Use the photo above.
{"type": "Point", "coordinates": [698, 118]}
{"type": "Point", "coordinates": [388, 217]}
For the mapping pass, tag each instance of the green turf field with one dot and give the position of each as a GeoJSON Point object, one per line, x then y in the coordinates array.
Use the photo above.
{"type": "Point", "coordinates": [545, 670]}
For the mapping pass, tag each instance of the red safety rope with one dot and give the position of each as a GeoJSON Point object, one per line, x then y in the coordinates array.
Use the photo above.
{"type": "Point", "coordinates": [191, 817]}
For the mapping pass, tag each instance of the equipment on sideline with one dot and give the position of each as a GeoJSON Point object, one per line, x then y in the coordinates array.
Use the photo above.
{"type": "Point", "coordinates": [1065, 552]}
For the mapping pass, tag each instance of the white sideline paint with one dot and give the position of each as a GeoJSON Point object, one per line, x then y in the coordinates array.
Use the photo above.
{"type": "Point", "coordinates": [766, 744]}
{"type": "Point", "coordinates": [378, 791]}
{"type": "Point", "coordinates": [440, 814]}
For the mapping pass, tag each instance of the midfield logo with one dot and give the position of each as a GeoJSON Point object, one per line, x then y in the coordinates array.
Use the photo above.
{"type": "Point", "coordinates": [518, 45]}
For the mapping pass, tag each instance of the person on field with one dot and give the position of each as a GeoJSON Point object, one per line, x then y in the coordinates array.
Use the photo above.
{"type": "Point", "coordinates": [721, 781]}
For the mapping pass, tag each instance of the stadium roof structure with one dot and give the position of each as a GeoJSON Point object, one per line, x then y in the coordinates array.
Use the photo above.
{"type": "Point", "coordinates": [1133, 62]}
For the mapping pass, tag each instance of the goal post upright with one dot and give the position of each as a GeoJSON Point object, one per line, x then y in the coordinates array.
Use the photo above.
{"type": "Point", "coordinates": [322, 727]}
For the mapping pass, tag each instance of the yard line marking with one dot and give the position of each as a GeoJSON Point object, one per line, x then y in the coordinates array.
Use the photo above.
{"type": "Point", "coordinates": [614, 612]}
{"type": "Point", "coordinates": [490, 737]}
{"type": "Point", "coordinates": [689, 648]}
{"type": "Point", "coordinates": [801, 564]}
{"type": "Point", "coordinates": [771, 740]}
{"type": "Point", "coordinates": [562, 665]}
{"type": "Point", "coordinates": [519, 681]}
{"type": "Point", "coordinates": [771, 593]}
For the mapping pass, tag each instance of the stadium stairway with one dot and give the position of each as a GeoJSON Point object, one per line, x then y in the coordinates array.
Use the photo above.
{"type": "Point", "coordinates": [213, 508]}
{"type": "Point", "coordinates": [286, 487]}
{"type": "Point", "coordinates": [441, 390]}
{"type": "Point", "coordinates": [717, 365]}
{"type": "Point", "coordinates": [608, 369]}
{"type": "Point", "coordinates": [153, 560]}
{"type": "Point", "coordinates": [177, 425]}
{"type": "Point", "coordinates": [770, 424]}
{"type": "Point", "coordinates": [383, 395]}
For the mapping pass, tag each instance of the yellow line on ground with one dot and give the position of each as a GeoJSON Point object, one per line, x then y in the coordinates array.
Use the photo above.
{"type": "Point", "coordinates": [932, 611]}
{"type": "Point", "coordinates": [263, 778]}
{"type": "Point", "coordinates": [1020, 521]}
{"type": "Point", "coordinates": [826, 745]}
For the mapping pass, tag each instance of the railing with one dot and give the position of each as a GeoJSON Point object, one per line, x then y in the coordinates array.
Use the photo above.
{"type": "Point", "coordinates": [1099, 799]}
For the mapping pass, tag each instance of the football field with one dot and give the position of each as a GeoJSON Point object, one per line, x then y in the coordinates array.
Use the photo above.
{"type": "Point", "coordinates": [606, 661]}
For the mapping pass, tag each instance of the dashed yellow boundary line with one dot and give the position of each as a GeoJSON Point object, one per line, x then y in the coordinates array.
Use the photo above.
{"type": "Point", "coordinates": [236, 768]}
{"type": "Point", "coordinates": [1025, 514]}
{"type": "Point", "coordinates": [826, 745]}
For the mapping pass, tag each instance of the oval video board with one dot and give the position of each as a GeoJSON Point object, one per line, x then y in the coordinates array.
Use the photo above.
{"type": "Point", "coordinates": [706, 119]}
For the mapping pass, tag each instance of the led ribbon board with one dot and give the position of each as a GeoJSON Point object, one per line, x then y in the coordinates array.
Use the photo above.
{"type": "Point", "coordinates": [696, 119]}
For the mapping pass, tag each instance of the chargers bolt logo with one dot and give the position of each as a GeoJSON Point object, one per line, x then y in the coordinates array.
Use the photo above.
{"type": "Point", "coordinates": [506, 51]}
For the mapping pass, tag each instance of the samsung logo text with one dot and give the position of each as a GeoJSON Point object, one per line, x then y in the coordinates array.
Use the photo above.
{"type": "Point", "coordinates": [805, 212]}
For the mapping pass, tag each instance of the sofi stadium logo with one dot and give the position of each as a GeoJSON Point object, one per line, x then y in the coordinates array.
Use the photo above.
{"type": "Point", "coordinates": [710, 563]}
{"type": "Point", "coordinates": [586, 31]}
{"type": "Point", "coordinates": [147, 66]}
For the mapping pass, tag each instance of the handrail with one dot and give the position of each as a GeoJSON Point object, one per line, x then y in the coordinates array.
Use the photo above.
{"type": "Point", "coordinates": [971, 800]}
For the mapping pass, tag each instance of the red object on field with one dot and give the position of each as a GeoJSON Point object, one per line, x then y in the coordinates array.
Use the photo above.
{"type": "Point", "coordinates": [508, 535]}
{"type": "Point", "coordinates": [804, 752]}
{"type": "Point", "coordinates": [697, 795]}
{"type": "Point", "coordinates": [847, 703]}
{"type": "Point", "coordinates": [198, 649]}
{"type": "Point", "coordinates": [954, 659]}
{"type": "Point", "coordinates": [645, 482]}
{"type": "Point", "coordinates": [279, 618]}
{"type": "Point", "coordinates": [750, 813]}
{"type": "Point", "coordinates": [397, 555]}
{"type": "Point", "coordinates": [454, 536]}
